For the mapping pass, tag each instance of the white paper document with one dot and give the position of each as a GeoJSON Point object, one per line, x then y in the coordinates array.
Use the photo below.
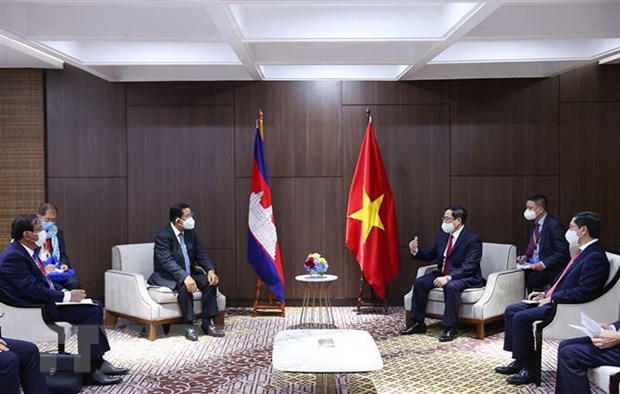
{"type": "Point", "coordinates": [588, 326]}
{"type": "Point", "coordinates": [85, 301]}
{"type": "Point", "coordinates": [524, 266]}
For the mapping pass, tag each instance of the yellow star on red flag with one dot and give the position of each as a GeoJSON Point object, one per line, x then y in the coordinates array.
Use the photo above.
{"type": "Point", "coordinates": [369, 214]}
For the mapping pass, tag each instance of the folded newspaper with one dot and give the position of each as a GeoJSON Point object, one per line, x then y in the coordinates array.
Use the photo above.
{"type": "Point", "coordinates": [588, 326]}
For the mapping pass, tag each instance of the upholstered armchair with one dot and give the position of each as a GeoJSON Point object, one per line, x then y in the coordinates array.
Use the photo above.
{"type": "Point", "coordinates": [604, 307]}
{"type": "Point", "coordinates": [504, 285]}
{"type": "Point", "coordinates": [127, 295]}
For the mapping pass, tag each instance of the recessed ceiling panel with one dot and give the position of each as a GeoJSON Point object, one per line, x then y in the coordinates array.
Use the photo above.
{"type": "Point", "coordinates": [492, 70]}
{"type": "Point", "coordinates": [143, 73]}
{"type": "Point", "coordinates": [308, 21]}
{"type": "Point", "coordinates": [14, 54]}
{"type": "Point", "coordinates": [341, 72]}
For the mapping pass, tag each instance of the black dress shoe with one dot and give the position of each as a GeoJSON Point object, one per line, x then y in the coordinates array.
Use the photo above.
{"type": "Point", "coordinates": [416, 328]}
{"type": "Point", "coordinates": [98, 378]}
{"type": "Point", "coordinates": [510, 369]}
{"type": "Point", "coordinates": [190, 334]}
{"type": "Point", "coordinates": [213, 331]}
{"type": "Point", "coordinates": [448, 335]}
{"type": "Point", "coordinates": [523, 377]}
{"type": "Point", "coordinates": [110, 369]}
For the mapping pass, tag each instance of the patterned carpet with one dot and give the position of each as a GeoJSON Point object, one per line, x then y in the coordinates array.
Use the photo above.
{"type": "Point", "coordinates": [241, 361]}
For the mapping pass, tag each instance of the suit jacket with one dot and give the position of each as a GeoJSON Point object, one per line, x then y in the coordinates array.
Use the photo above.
{"type": "Point", "coordinates": [169, 265]}
{"type": "Point", "coordinates": [553, 248]}
{"type": "Point", "coordinates": [466, 254]}
{"type": "Point", "coordinates": [23, 283]}
{"type": "Point", "coordinates": [585, 277]}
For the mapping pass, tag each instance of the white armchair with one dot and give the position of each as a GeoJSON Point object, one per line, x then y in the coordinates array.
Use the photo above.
{"type": "Point", "coordinates": [127, 294]}
{"type": "Point", "coordinates": [603, 307]}
{"type": "Point", "coordinates": [504, 285]}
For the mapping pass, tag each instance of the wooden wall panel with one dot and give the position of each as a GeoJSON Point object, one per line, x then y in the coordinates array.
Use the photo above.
{"type": "Point", "coordinates": [591, 83]}
{"type": "Point", "coordinates": [93, 212]}
{"type": "Point", "coordinates": [309, 218]}
{"type": "Point", "coordinates": [495, 205]}
{"type": "Point", "coordinates": [504, 127]}
{"type": "Point", "coordinates": [85, 125]}
{"type": "Point", "coordinates": [302, 127]}
{"type": "Point", "coordinates": [181, 154]}
{"type": "Point", "coordinates": [590, 163]}
{"type": "Point", "coordinates": [22, 145]}
{"type": "Point", "coordinates": [179, 93]}
{"type": "Point", "coordinates": [414, 141]}
{"type": "Point", "coordinates": [407, 92]}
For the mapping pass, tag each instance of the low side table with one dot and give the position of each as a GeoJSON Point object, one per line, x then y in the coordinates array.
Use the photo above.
{"type": "Point", "coordinates": [316, 308]}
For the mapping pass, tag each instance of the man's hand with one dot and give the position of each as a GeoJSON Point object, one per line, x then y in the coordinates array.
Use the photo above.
{"type": "Point", "coordinates": [536, 296]}
{"type": "Point", "coordinates": [213, 279]}
{"type": "Point", "coordinates": [64, 267]}
{"type": "Point", "coordinates": [606, 326]}
{"type": "Point", "coordinates": [413, 245]}
{"type": "Point", "coordinates": [77, 295]}
{"type": "Point", "coordinates": [538, 266]}
{"type": "Point", "coordinates": [544, 301]}
{"type": "Point", "coordinates": [440, 281]}
{"type": "Point", "coordinates": [190, 284]}
{"type": "Point", "coordinates": [50, 268]}
{"type": "Point", "coordinates": [606, 339]}
{"type": "Point", "coordinates": [3, 346]}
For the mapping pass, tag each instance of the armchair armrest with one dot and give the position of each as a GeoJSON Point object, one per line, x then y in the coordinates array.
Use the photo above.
{"type": "Point", "coordinates": [502, 289]}
{"type": "Point", "coordinates": [126, 293]}
{"type": "Point", "coordinates": [426, 269]}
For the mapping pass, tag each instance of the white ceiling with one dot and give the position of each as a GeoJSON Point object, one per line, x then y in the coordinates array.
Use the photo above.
{"type": "Point", "coordinates": [173, 40]}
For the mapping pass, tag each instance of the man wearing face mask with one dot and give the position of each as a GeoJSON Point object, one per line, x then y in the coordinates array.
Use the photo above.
{"type": "Point", "coordinates": [24, 281]}
{"type": "Point", "coordinates": [547, 250]}
{"type": "Point", "coordinates": [458, 251]}
{"type": "Point", "coordinates": [584, 275]}
{"type": "Point", "coordinates": [181, 264]}
{"type": "Point", "coordinates": [53, 253]}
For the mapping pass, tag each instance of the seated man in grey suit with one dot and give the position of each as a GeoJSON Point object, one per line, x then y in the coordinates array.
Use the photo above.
{"type": "Point", "coordinates": [181, 264]}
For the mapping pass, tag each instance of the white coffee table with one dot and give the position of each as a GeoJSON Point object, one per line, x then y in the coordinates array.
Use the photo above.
{"type": "Point", "coordinates": [325, 352]}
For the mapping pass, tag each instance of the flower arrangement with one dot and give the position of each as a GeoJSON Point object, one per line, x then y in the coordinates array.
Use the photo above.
{"type": "Point", "coordinates": [316, 264]}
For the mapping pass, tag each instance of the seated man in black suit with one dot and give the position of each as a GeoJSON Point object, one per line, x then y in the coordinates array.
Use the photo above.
{"type": "Point", "coordinates": [54, 249]}
{"type": "Point", "coordinates": [23, 281]}
{"type": "Point", "coordinates": [577, 355]}
{"type": "Point", "coordinates": [458, 251]}
{"type": "Point", "coordinates": [20, 364]}
{"type": "Point", "coordinates": [181, 264]}
{"type": "Point", "coordinates": [583, 277]}
{"type": "Point", "coordinates": [547, 249]}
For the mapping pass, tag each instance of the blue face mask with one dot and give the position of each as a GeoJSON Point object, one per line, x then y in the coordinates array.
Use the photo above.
{"type": "Point", "coordinates": [50, 228]}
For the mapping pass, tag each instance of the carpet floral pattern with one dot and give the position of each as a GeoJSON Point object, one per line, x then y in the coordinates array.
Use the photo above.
{"type": "Point", "coordinates": [241, 361]}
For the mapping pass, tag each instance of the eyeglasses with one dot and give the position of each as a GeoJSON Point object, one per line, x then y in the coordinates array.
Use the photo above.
{"type": "Point", "coordinates": [447, 219]}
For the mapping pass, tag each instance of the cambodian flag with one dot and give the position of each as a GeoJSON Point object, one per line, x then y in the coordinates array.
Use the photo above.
{"type": "Point", "coordinates": [263, 249]}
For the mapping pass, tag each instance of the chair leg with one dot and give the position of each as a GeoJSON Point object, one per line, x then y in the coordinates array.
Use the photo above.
{"type": "Point", "coordinates": [152, 332]}
{"type": "Point", "coordinates": [219, 319]}
{"type": "Point", "coordinates": [480, 330]}
{"type": "Point", "coordinates": [110, 319]}
{"type": "Point", "coordinates": [407, 319]}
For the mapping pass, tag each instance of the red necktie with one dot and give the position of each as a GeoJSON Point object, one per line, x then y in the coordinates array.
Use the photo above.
{"type": "Point", "coordinates": [550, 291]}
{"type": "Point", "coordinates": [448, 253]}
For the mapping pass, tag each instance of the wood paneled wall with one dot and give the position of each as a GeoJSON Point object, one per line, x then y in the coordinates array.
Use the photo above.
{"type": "Point", "coordinates": [120, 154]}
{"type": "Point", "coordinates": [22, 145]}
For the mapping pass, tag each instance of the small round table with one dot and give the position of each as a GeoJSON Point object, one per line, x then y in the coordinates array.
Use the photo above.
{"type": "Point", "coordinates": [316, 308]}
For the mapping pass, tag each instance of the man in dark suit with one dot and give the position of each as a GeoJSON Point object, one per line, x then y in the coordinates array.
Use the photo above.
{"type": "Point", "coordinates": [547, 249]}
{"type": "Point", "coordinates": [181, 264]}
{"type": "Point", "coordinates": [20, 365]}
{"type": "Point", "coordinates": [577, 355]}
{"type": "Point", "coordinates": [458, 251]}
{"type": "Point", "coordinates": [583, 277]}
{"type": "Point", "coordinates": [23, 281]}
{"type": "Point", "coordinates": [54, 249]}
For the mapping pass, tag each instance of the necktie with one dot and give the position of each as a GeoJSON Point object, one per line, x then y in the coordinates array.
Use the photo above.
{"type": "Point", "coordinates": [448, 253]}
{"type": "Point", "coordinates": [184, 250]}
{"type": "Point", "coordinates": [35, 257]}
{"type": "Point", "coordinates": [531, 246]}
{"type": "Point", "coordinates": [550, 291]}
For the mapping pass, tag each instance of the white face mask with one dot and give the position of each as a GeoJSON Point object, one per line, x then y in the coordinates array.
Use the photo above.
{"type": "Point", "coordinates": [189, 223]}
{"type": "Point", "coordinates": [41, 236]}
{"type": "Point", "coordinates": [571, 237]}
{"type": "Point", "coordinates": [529, 214]}
{"type": "Point", "coordinates": [447, 227]}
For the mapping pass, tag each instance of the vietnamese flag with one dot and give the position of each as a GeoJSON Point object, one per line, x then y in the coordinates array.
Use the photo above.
{"type": "Point", "coordinates": [372, 235]}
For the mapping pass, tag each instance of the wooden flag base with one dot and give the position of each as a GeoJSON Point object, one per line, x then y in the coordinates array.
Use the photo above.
{"type": "Point", "coordinates": [374, 301]}
{"type": "Point", "coordinates": [269, 305]}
